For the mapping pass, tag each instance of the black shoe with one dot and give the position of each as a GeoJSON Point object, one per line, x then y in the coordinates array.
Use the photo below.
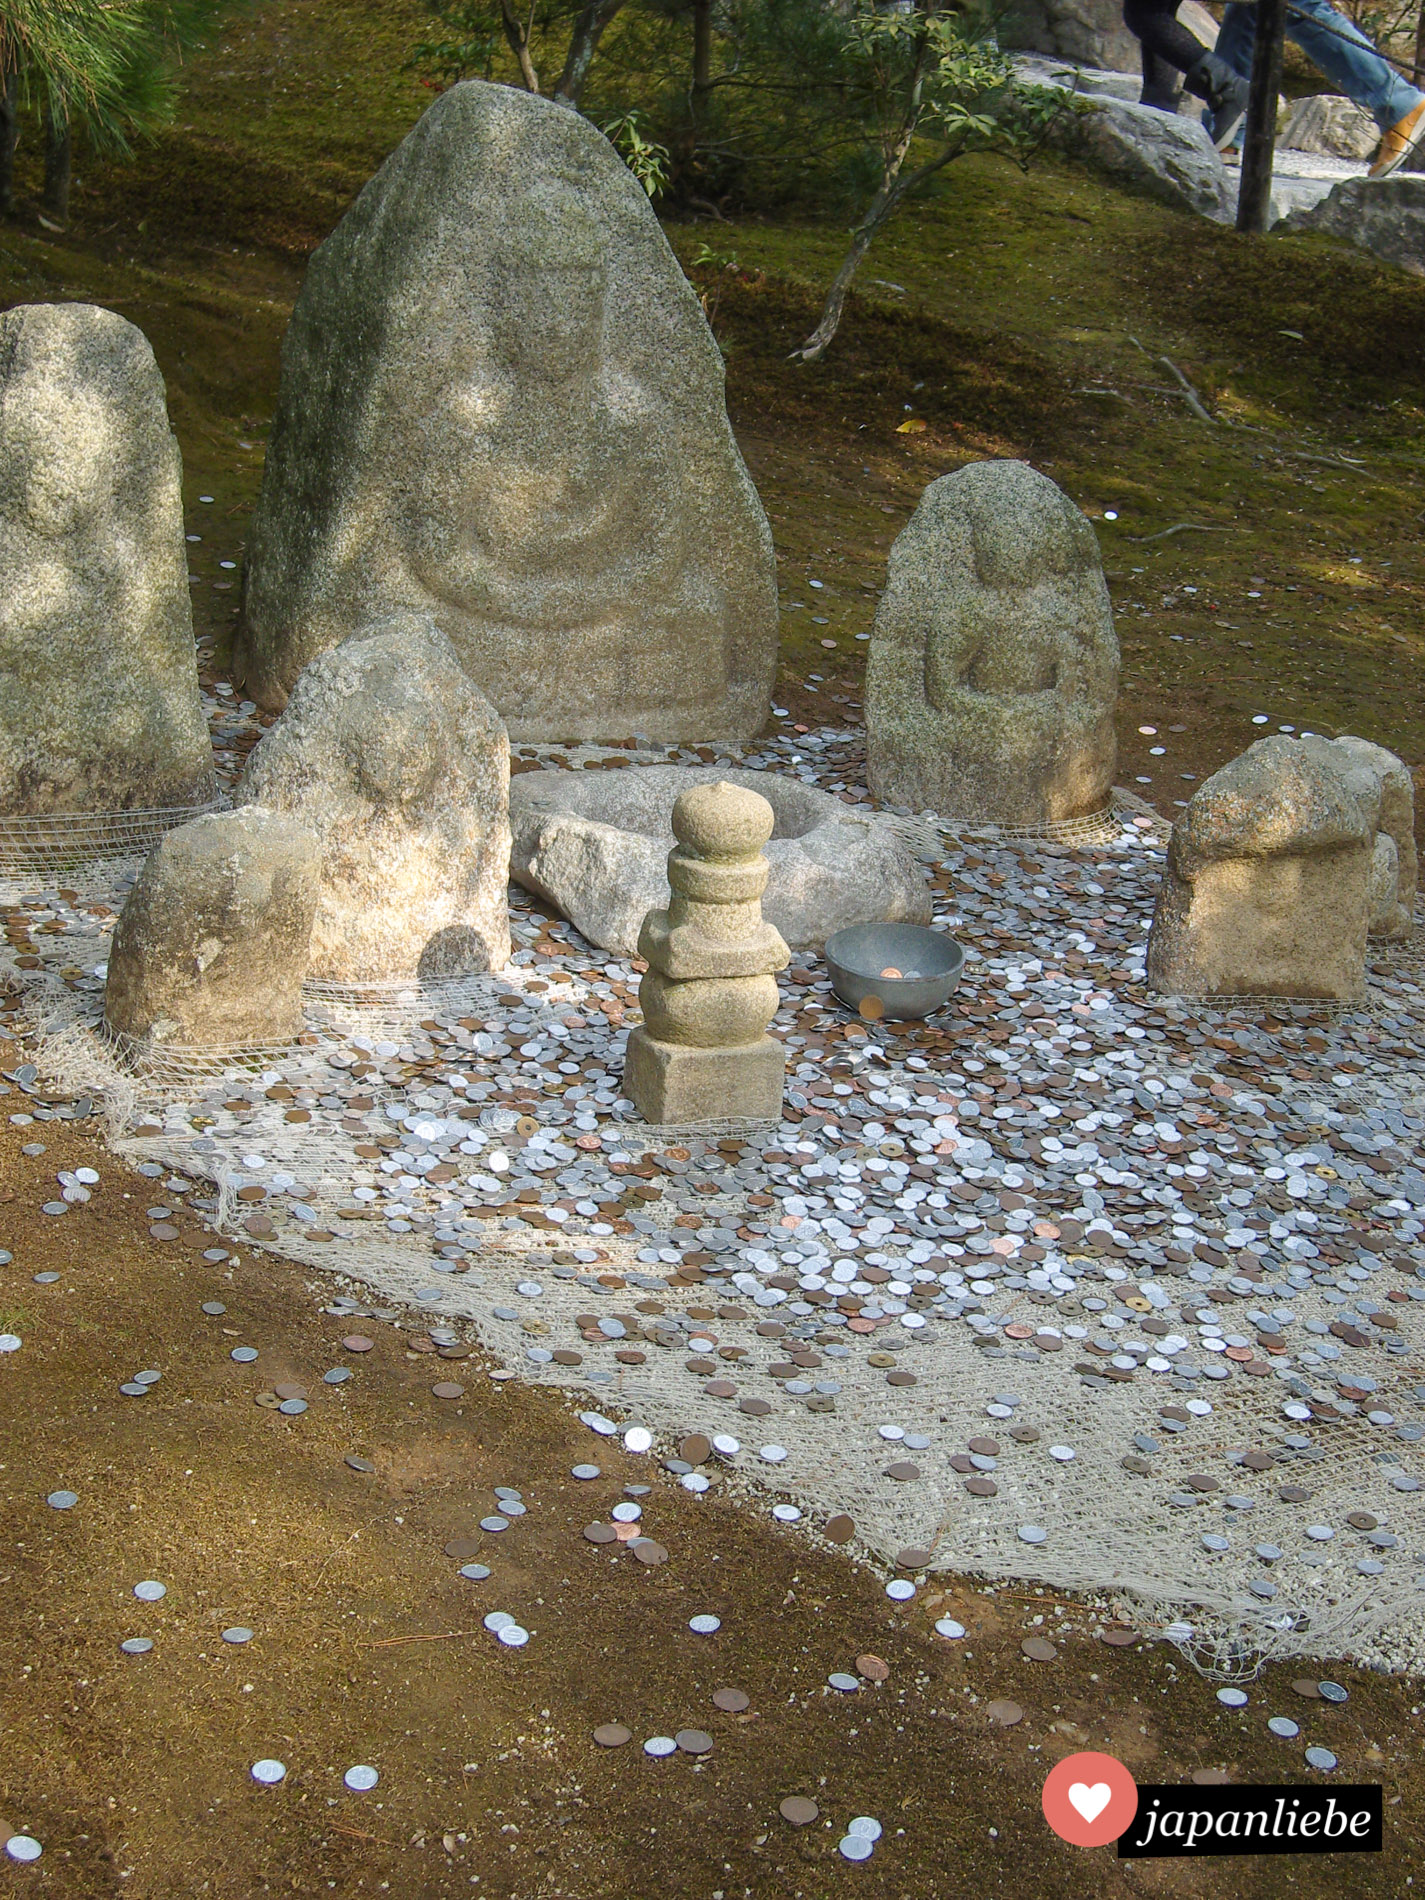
{"type": "Point", "coordinates": [1226, 94]}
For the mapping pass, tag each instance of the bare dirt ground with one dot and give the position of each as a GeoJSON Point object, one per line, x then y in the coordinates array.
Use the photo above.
{"type": "Point", "coordinates": [369, 1647]}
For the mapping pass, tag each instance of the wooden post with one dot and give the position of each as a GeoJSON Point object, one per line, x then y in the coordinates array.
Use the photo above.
{"type": "Point", "coordinates": [1254, 199]}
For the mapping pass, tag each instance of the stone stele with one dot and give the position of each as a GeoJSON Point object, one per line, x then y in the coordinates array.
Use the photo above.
{"type": "Point", "coordinates": [994, 664]}
{"type": "Point", "coordinates": [501, 404]}
{"type": "Point", "coordinates": [211, 947]}
{"type": "Point", "coordinates": [703, 1054]}
{"type": "Point", "coordinates": [99, 703]}
{"type": "Point", "coordinates": [1266, 884]}
{"type": "Point", "coordinates": [402, 768]}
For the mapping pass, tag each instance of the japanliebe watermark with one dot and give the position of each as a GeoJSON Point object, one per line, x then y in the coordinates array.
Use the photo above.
{"type": "Point", "coordinates": [1091, 1800]}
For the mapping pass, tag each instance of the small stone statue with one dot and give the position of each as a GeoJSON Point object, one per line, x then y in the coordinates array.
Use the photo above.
{"type": "Point", "coordinates": [703, 1053]}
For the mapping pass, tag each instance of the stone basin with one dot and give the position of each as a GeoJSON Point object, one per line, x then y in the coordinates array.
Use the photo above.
{"type": "Point", "coordinates": [595, 845]}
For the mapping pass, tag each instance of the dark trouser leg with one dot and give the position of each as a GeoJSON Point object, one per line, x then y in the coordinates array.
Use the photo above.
{"type": "Point", "coordinates": [1156, 24]}
{"type": "Point", "coordinates": [1161, 84]}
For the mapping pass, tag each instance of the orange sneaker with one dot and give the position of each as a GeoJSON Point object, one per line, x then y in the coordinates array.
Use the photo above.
{"type": "Point", "coordinates": [1400, 143]}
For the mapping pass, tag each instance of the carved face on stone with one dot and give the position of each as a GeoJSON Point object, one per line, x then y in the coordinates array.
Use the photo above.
{"type": "Point", "coordinates": [547, 288]}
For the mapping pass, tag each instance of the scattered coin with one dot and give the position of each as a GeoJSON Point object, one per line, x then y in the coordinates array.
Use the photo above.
{"type": "Point", "coordinates": [731, 1701]}
{"type": "Point", "coordinates": [360, 1778]}
{"type": "Point", "coordinates": [840, 1529]}
{"type": "Point", "coordinates": [1038, 1649]}
{"type": "Point", "coordinates": [600, 1533]}
{"type": "Point", "coordinates": [694, 1741]}
{"type": "Point", "coordinates": [612, 1735]}
{"type": "Point", "coordinates": [660, 1745]}
{"type": "Point", "coordinates": [799, 1809]}
{"type": "Point", "coordinates": [704, 1625]}
{"type": "Point", "coordinates": [1004, 1714]}
{"type": "Point", "coordinates": [268, 1771]}
{"type": "Point", "coordinates": [873, 1668]}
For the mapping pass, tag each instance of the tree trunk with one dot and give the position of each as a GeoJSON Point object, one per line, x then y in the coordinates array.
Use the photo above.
{"type": "Point", "coordinates": [588, 31]}
{"type": "Point", "coordinates": [9, 135]}
{"type": "Point", "coordinates": [59, 166]}
{"type": "Point", "coordinates": [702, 58]}
{"type": "Point", "coordinates": [1420, 46]}
{"type": "Point", "coordinates": [518, 37]}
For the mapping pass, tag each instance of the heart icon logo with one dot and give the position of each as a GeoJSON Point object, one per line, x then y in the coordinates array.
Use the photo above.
{"type": "Point", "coordinates": [1089, 1799]}
{"type": "Point", "coordinates": [1090, 1802]}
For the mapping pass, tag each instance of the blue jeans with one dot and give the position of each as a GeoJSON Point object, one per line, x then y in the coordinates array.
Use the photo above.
{"type": "Point", "coordinates": [1351, 63]}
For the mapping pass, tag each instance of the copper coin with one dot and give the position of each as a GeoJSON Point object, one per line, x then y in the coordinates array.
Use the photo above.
{"type": "Point", "coordinates": [696, 1449]}
{"type": "Point", "coordinates": [564, 1357]}
{"type": "Point", "coordinates": [861, 1325]}
{"type": "Point", "coordinates": [648, 1552]}
{"type": "Point", "coordinates": [1019, 1331]}
{"type": "Point", "coordinates": [269, 1401]}
{"type": "Point", "coordinates": [357, 1342]}
{"type": "Point", "coordinates": [693, 1741]}
{"type": "Point", "coordinates": [463, 1548]}
{"type": "Point", "coordinates": [164, 1230]}
{"type": "Point", "coordinates": [1258, 1460]}
{"type": "Point", "coordinates": [899, 1377]}
{"type": "Point", "coordinates": [731, 1701]}
{"type": "Point", "coordinates": [627, 1533]}
{"type": "Point", "coordinates": [981, 1487]}
{"type": "Point", "coordinates": [1305, 1686]}
{"type": "Point", "coordinates": [913, 1557]}
{"type": "Point", "coordinates": [840, 1529]}
{"type": "Point", "coordinates": [600, 1533]}
{"type": "Point", "coordinates": [1038, 1649]}
{"type": "Point", "coordinates": [1118, 1638]}
{"type": "Point", "coordinates": [985, 1447]}
{"type": "Point", "coordinates": [873, 1668]}
{"type": "Point", "coordinates": [1361, 1520]}
{"type": "Point", "coordinates": [612, 1735]}
{"type": "Point", "coordinates": [1293, 1494]}
{"type": "Point", "coordinates": [903, 1471]}
{"type": "Point", "coordinates": [871, 1008]}
{"type": "Point", "coordinates": [1005, 1714]}
{"type": "Point", "coordinates": [1210, 1777]}
{"type": "Point", "coordinates": [448, 1389]}
{"type": "Point", "coordinates": [1240, 1354]}
{"type": "Point", "coordinates": [1024, 1434]}
{"type": "Point", "coordinates": [290, 1391]}
{"type": "Point", "coordinates": [1048, 1342]}
{"type": "Point", "coordinates": [754, 1408]}
{"type": "Point", "coordinates": [720, 1389]}
{"type": "Point", "coordinates": [1200, 1481]}
{"type": "Point", "coordinates": [799, 1809]}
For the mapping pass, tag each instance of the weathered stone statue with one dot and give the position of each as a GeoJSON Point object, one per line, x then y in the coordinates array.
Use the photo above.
{"type": "Point", "coordinates": [1386, 791]}
{"type": "Point", "coordinates": [211, 948]}
{"type": "Point", "coordinates": [1266, 885]}
{"type": "Point", "coordinates": [99, 702]}
{"type": "Point", "coordinates": [703, 1053]}
{"type": "Point", "coordinates": [993, 670]}
{"type": "Point", "coordinates": [402, 769]}
{"type": "Point", "coordinates": [501, 404]}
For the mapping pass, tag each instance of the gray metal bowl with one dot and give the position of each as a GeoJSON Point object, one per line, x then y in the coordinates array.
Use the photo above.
{"type": "Point", "coordinates": [856, 958]}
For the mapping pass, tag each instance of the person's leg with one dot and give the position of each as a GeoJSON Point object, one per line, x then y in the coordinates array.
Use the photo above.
{"type": "Point", "coordinates": [1237, 38]}
{"type": "Point", "coordinates": [1156, 25]}
{"type": "Point", "coordinates": [1161, 83]}
{"type": "Point", "coordinates": [1350, 62]}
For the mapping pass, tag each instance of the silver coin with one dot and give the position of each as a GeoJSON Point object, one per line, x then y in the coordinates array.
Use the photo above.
{"type": "Point", "coordinates": [660, 1745]}
{"type": "Point", "coordinates": [136, 1645]}
{"type": "Point", "coordinates": [477, 1573]}
{"type": "Point", "coordinates": [704, 1625]}
{"type": "Point", "coordinates": [1332, 1692]}
{"type": "Point", "coordinates": [1232, 1698]}
{"type": "Point", "coordinates": [866, 1825]}
{"type": "Point", "coordinates": [243, 1355]}
{"type": "Point", "coordinates": [62, 1500]}
{"type": "Point", "coordinates": [293, 1407]}
{"type": "Point", "coordinates": [360, 1778]}
{"type": "Point", "coordinates": [847, 1684]}
{"type": "Point", "coordinates": [494, 1524]}
{"type": "Point", "coordinates": [150, 1591]}
{"type": "Point", "coordinates": [585, 1472]}
{"type": "Point", "coordinates": [1283, 1726]}
{"type": "Point", "coordinates": [237, 1634]}
{"type": "Point", "coordinates": [512, 1636]}
{"type": "Point", "coordinates": [855, 1847]}
{"type": "Point", "coordinates": [1321, 1758]}
{"type": "Point", "coordinates": [947, 1626]}
{"type": "Point", "coordinates": [336, 1375]}
{"type": "Point", "coordinates": [498, 1620]}
{"type": "Point", "coordinates": [269, 1771]}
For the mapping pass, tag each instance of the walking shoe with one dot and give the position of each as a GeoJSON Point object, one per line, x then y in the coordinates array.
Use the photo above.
{"type": "Point", "coordinates": [1226, 93]}
{"type": "Point", "coordinates": [1401, 143]}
